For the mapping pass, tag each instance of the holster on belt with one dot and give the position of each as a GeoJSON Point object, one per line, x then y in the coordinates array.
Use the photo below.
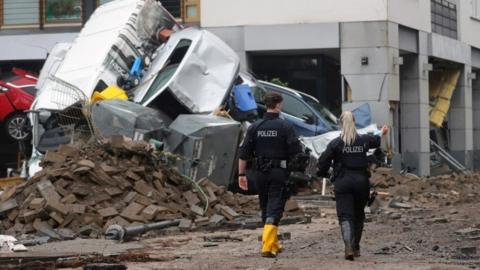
{"type": "Point", "coordinates": [266, 164]}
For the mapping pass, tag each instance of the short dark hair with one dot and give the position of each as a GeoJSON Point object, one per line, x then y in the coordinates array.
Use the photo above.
{"type": "Point", "coordinates": [271, 99]}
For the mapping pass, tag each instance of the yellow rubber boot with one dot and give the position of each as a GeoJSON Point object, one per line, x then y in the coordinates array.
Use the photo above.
{"type": "Point", "coordinates": [276, 248]}
{"type": "Point", "coordinates": [268, 240]}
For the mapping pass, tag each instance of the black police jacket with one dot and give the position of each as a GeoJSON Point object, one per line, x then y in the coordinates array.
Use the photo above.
{"type": "Point", "coordinates": [271, 138]}
{"type": "Point", "coordinates": [353, 157]}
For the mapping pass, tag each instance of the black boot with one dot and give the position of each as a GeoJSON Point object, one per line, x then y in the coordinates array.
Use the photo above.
{"type": "Point", "coordinates": [357, 238]}
{"type": "Point", "coordinates": [347, 235]}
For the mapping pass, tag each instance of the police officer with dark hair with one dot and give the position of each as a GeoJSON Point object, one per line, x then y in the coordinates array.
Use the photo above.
{"type": "Point", "coordinates": [348, 153]}
{"type": "Point", "coordinates": [272, 143]}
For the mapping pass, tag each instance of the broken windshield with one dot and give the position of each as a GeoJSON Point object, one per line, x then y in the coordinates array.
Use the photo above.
{"type": "Point", "coordinates": [171, 66]}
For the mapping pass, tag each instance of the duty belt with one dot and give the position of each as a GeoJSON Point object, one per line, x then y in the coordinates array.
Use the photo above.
{"type": "Point", "coordinates": [266, 164]}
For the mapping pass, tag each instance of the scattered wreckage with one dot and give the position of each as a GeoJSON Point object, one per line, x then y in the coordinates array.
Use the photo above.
{"type": "Point", "coordinates": [143, 76]}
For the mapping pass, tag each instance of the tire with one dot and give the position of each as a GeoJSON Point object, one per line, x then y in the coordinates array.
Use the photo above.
{"type": "Point", "coordinates": [17, 127]}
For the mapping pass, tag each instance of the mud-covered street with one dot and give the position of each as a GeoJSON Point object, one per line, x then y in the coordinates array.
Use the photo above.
{"type": "Point", "coordinates": [411, 242]}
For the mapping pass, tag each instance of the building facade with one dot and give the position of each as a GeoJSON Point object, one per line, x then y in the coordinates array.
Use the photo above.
{"type": "Point", "coordinates": [387, 53]}
{"type": "Point", "coordinates": [30, 28]}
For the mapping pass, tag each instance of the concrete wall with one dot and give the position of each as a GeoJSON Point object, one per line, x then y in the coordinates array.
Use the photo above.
{"type": "Point", "coordinates": [255, 38]}
{"type": "Point", "coordinates": [476, 120]}
{"type": "Point", "coordinates": [414, 14]}
{"type": "Point", "coordinates": [217, 13]}
{"type": "Point", "coordinates": [449, 49]}
{"type": "Point", "coordinates": [301, 37]}
{"type": "Point", "coordinates": [414, 111]}
{"type": "Point", "coordinates": [469, 26]}
{"type": "Point", "coordinates": [378, 82]}
{"type": "Point", "coordinates": [411, 13]}
{"type": "Point", "coordinates": [460, 120]}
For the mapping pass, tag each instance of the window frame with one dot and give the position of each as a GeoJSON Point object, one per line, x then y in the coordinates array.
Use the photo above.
{"type": "Point", "coordinates": [184, 11]}
{"type": "Point", "coordinates": [19, 25]}
{"type": "Point", "coordinates": [444, 18]}
{"type": "Point", "coordinates": [305, 105]}
{"type": "Point", "coordinates": [41, 22]}
{"type": "Point", "coordinates": [476, 10]}
{"type": "Point", "coordinates": [146, 98]}
{"type": "Point", "coordinates": [1, 13]}
{"type": "Point", "coordinates": [46, 23]}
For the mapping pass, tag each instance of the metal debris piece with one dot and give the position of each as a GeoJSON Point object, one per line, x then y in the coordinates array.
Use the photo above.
{"type": "Point", "coordinates": [105, 266]}
{"type": "Point", "coordinates": [221, 238]}
{"type": "Point", "coordinates": [117, 232]}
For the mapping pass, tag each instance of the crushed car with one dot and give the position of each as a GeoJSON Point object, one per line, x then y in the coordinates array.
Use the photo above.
{"type": "Point", "coordinates": [148, 59]}
{"type": "Point", "coordinates": [148, 78]}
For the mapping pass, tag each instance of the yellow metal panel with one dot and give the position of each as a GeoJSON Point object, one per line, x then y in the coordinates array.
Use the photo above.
{"type": "Point", "coordinates": [442, 86]}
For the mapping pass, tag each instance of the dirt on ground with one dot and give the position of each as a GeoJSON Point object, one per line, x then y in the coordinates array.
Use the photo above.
{"type": "Point", "coordinates": [415, 223]}
{"type": "Point", "coordinates": [419, 239]}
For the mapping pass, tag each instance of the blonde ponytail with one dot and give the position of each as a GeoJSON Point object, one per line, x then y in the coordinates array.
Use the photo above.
{"type": "Point", "coordinates": [349, 132]}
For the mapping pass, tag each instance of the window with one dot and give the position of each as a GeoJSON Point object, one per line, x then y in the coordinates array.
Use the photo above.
{"type": "Point", "coordinates": [174, 7]}
{"type": "Point", "coordinates": [61, 11]}
{"type": "Point", "coordinates": [23, 12]}
{"type": "Point", "coordinates": [295, 107]}
{"type": "Point", "coordinates": [258, 93]}
{"type": "Point", "coordinates": [476, 9]}
{"type": "Point", "coordinates": [165, 74]}
{"type": "Point", "coordinates": [444, 18]}
{"type": "Point", "coordinates": [191, 11]}
{"type": "Point", "coordinates": [326, 114]}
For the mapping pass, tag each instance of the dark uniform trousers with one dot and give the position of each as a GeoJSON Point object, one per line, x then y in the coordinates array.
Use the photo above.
{"type": "Point", "coordinates": [272, 193]}
{"type": "Point", "coordinates": [271, 140]}
{"type": "Point", "coordinates": [351, 184]}
{"type": "Point", "coordinates": [352, 190]}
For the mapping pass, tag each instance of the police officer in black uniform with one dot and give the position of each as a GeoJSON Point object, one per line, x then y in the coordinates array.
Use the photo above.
{"type": "Point", "coordinates": [348, 153]}
{"type": "Point", "coordinates": [272, 143]}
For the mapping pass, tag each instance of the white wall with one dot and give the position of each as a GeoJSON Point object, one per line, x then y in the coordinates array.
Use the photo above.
{"type": "Point", "coordinates": [469, 28]}
{"type": "Point", "coordinates": [411, 13]}
{"type": "Point", "coordinates": [31, 46]}
{"type": "Point", "coordinates": [217, 13]}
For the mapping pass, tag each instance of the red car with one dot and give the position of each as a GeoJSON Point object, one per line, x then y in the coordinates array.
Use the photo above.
{"type": "Point", "coordinates": [17, 92]}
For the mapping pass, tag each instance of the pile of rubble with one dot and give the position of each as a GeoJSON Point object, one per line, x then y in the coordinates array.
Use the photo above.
{"type": "Point", "coordinates": [84, 189]}
{"type": "Point", "coordinates": [409, 191]}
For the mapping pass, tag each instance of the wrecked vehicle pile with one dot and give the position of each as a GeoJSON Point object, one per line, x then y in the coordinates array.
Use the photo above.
{"type": "Point", "coordinates": [148, 60]}
{"type": "Point", "coordinates": [82, 190]}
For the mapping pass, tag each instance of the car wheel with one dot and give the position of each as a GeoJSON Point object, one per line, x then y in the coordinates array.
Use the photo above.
{"type": "Point", "coordinates": [16, 126]}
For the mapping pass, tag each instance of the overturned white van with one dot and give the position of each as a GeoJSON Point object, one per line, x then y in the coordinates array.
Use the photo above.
{"type": "Point", "coordinates": [192, 71]}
